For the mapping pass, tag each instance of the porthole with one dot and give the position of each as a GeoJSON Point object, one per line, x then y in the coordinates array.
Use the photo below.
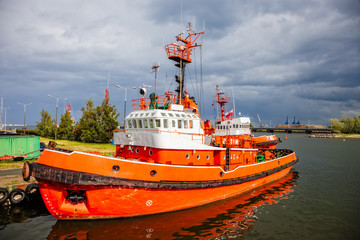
{"type": "Point", "coordinates": [207, 157]}
{"type": "Point", "coordinates": [279, 162]}
{"type": "Point", "coordinates": [137, 150]}
{"type": "Point", "coordinates": [198, 157]}
{"type": "Point", "coordinates": [221, 174]}
{"type": "Point", "coordinates": [116, 168]}
{"type": "Point", "coordinates": [150, 152]}
{"type": "Point", "coordinates": [187, 156]}
{"type": "Point", "coordinates": [153, 173]}
{"type": "Point", "coordinates": [224, 157]}
{"type": "Point", "coordinates": [237, 156]}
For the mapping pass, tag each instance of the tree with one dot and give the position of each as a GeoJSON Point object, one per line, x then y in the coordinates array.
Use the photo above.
{"type": "Point", "coordinates": [66, 127]}
{"type": "Point", "coordinates": [46, 126]}
{"type": "Point", "coordinates": [346, 125]}
{"type": "Point", "coordinates": [107, 118]}
{"type": "Point", "coordinates": [357, 125]}
{"type": "Point", "coordinates": [336, 125]}
{"type": "Point", "coordinates": [97, 123]}
{"type": "Point", "coordinates": [85, 127]}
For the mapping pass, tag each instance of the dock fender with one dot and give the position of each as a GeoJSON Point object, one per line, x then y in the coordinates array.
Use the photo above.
{"type": "Point", "coordinates": [26, 171]}
{"type": "Point", "coordinates": [17, 196]}
{"type": "Point", "coordinates": [4, 194]}
{"type": "Point", "coordinates": [32, 191]}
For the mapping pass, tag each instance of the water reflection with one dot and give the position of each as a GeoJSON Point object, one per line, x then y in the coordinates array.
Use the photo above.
{"type": "Point", "coordinates": [20, 213]}
{"type": "Point", "coordinates": [226, 219]}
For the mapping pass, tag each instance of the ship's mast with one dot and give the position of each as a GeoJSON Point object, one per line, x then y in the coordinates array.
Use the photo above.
{"type": "Point", "coordinates": [181, 54]}
{"type": "Point", "coordinates": [221, 100]}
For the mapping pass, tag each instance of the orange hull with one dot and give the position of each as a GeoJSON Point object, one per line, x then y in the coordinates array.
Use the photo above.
{"type": "Point", "coordinates": [87, 186]}
{"type": "Point", "coordinates": [235, 212]}
{"type": "Point", "coordinates": [114, 202]}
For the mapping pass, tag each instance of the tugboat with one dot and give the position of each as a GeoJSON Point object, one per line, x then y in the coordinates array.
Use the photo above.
{"type": "Point", "coordinates": [237, 127]}
{"type": "Point", "coordinates": [165, 161]}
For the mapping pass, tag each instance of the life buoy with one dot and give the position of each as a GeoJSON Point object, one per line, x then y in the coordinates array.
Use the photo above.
{"type": "Point", "coordinates": [4, 194]}
{"type": "Point", "coordinates": [17, 196]}
{"type": "Point", "coordinates": [32, 191]}
{"type": "Point", "coordinates": [26, 171]}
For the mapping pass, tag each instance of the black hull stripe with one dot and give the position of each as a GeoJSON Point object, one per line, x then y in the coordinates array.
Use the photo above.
{"type": "Point", "coordinates": [62, 176]}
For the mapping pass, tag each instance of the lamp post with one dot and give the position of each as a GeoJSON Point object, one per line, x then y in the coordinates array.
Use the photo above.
{"type": "Point", "coordinates": [24, 112]}
{"type": "Point", "coordinates": [57, 106]}
{"type": "Point", "coordinates": [118, 86]}
{"type": "Point", "coordinates": [5, 116]}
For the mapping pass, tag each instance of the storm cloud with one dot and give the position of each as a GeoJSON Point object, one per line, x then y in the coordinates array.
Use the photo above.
{"type": "Point", "coordinates": [280, 58]}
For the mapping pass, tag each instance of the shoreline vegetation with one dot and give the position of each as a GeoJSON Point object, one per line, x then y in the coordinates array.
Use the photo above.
{"type": "Point", "coordinates": [335, 135]}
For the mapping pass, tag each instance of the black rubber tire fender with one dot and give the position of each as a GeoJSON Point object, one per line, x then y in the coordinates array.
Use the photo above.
{"type": "Point", "coordinates": [32, 191]}
{"type": "Point", "coordinates": [17, 196]}
{"type": "Point", "coordinates": [4, 194]}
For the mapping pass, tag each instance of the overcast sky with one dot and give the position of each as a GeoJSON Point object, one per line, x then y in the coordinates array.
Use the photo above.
{"type": "Point", "coordinates": [279, 58]}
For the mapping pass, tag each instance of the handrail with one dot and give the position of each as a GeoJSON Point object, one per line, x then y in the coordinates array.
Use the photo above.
{"type": "Point", "coordinates": [162, 102]}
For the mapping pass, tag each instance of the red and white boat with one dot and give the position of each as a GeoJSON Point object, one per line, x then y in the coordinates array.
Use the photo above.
{"type": "Point", "coordinates": [165, 161]}
{"type": "Point", "coordinates": [237, 127]}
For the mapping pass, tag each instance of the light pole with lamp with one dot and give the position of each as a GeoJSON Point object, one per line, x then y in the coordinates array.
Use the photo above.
{"type": "Point", "coordinates": [57, 106]}
{"type": "Point", "coordinates": [5, 116]}
{"type": "Point", "coordinates": [24, 112]}
{"type": "Point", "coordinates": [118, 86]}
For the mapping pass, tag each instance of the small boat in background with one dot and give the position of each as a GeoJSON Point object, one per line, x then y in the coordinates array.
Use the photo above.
{"type": "Point", "coordinates": [238, 128]}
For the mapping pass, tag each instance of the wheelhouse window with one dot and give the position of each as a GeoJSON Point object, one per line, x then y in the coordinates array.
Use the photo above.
{"type": "Point", "coordinates": [186, 125]}
{"type": "Point", "coordinates": [157, 123]}
{"type": "Point", "coordinates": [134, 123]}
{"type": "Point", "coordinates": [129, 124]}
{"type": "Point", "coordinates": [179, 124]}
{"type": "Point", "coordinates": [173, 123]}
{"type": "Point", "coordinates": [151, 123]}
{"type": "Point", "coordinates": [165, 122]}
{"type": "Point", "coordinates": [140, 123]}
{"type": "Point", "coordinates": [145, 123]}
{"type": "Point", "coordinates": [191, 124]}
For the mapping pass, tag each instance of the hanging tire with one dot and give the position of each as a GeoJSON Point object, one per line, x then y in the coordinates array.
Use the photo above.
{"type": "Point", "coordinates": [26, 171]}
{"type": "Point", "coordinates": [32, 191]}
{"type": "Point", "coordinates": [17, 196]}
{"type": "Point", "coordinates": [4, 194]}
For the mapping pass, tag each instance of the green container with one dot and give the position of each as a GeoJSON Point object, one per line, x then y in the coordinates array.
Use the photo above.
{"type": "Point", "coordinates": [19, 146]}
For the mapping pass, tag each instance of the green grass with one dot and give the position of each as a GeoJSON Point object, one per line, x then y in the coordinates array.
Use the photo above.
{"type": "Point", "coordinates": [342, 135]}
{"type": "Point", "coordinates": [8, 164]}
{"type": "Point", "coordinates": [103, 148]}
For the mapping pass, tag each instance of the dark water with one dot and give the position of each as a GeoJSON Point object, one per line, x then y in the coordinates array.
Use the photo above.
{"type": "Point", "coordinates": [319, 200]}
